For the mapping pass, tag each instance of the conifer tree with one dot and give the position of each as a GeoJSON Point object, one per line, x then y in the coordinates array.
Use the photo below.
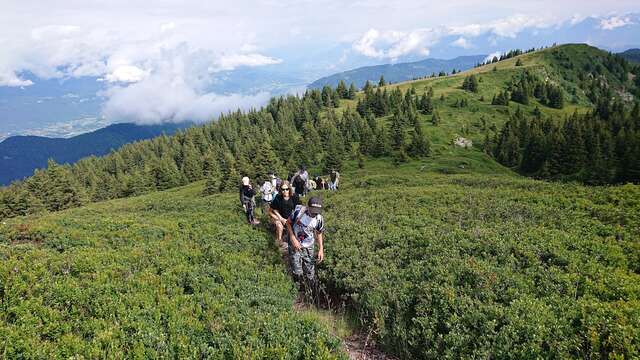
{"type": "Point", "coordinates": [435, 119]}
{"type": "Point", "coordinates": [400, 156]}
{"type": "Point", "coordinates": [382, 146]}
{"type": "Point", "coordinates": [191, 166]}
{"type": "Point", "coordinates": [351, 94]}
{"type": "Point", "coordinates": [335, 151]}
{"type": "Point", "coordinates": [420, 146]}
{"type": "Point", "coordinates": [425, 104]}
{"type": "Point", "coordinates": [381, 82]}
{"type": "Point", "coordinates": [341, 89]}
{"type": "Point", "coordinates": [212, 173]}
{"type": "Point", "coordinates": [397, 130]}
{"type": "Point", "coordinates": [165, 173]}
{"type": "Point", "coordinates": [230, 176]}
{"type": "Point", "coordinates": [470, 83]}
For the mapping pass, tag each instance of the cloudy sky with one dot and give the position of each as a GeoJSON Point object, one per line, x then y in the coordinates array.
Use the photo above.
{"type": "Point", "coordinates": [161, 60]}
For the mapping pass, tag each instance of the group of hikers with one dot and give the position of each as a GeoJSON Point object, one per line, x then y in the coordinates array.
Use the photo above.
{"type": "Point", "coordinates": [297, 227]}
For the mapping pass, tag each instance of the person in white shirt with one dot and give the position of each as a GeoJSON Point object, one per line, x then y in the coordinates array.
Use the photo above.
{"type": "Point", "coordinates": [306, 228]}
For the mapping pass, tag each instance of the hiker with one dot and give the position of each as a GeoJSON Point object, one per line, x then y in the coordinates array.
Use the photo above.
{"type": "Point", "coordinates": [334, 178]}
{"type": "Point", "coordinates": [321, 184]}
{"type": "Point", "coordinates": [247, 199]}
{"type": "Point", "coordinates": [280, 209]}
{"type": "Point", "coordinates": [306, 226]}
{"type": "Point", "coordinates": [311, 185]}
{"type": "Point", "coordinates": [268, 191]}
{"type": "Point", "coordinates": [299, 184]}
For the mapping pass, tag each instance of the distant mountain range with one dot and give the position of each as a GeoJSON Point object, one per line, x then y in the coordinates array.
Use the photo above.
{"type": "Point", "coordinates": [632, 55]}
{"type": "Point", "coordinates": [21, 155]}
{"type": "Point", "coordinates": [398, 72]}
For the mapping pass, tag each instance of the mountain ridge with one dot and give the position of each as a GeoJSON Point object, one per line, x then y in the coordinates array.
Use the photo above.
{"type": "Point", "coordinates": [20, 155]}
{"type": "Point", "coordinates": [399, 71]}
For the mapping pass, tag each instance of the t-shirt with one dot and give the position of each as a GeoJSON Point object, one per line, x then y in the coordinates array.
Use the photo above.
{"type": "Point", "coordinates": [267, 191]}
{"type": "Point", "coordinates": [304, 226]}
{"type": "Point", "coordinates": [298, 184]}
{"type": "Point", "coordinates": [285, 207]}
{"type": "Point", "coordinates": [246, 194]}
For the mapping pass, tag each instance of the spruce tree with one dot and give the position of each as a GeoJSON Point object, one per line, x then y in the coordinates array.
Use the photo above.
{"type": "Point", "coordinates": [397, 138]}
{"type": "Point", "coordinates": [435, 119]}
{"type": "Point", "coordinates": [381, 82]}
{"type": "Point", "coordinates": [420, 146]}
{"type": "Point", "coordinates": [335, 152]}
{"type": "Point", "coordinates": [191, 165]}
{"type": "Point", "coordinates": [165, 173]}
{"type": "Point", "coordinates": [341, 89]}
{"type": "Point", "coordinates": [351, 94]}
{"type": "Point", "coordinates": [230, 176]}
{"type": "Point", "coordinates": [470, 83]}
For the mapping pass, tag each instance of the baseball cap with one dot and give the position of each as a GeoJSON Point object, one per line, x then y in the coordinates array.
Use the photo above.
{"type": "Point", "coordinates": [314, 206]}
{"type": "Point", "coordinates": [245, 180]}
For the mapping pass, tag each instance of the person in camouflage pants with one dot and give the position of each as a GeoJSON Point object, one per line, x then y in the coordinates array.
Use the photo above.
{"type": "Point", "coordinates": [306, 227]}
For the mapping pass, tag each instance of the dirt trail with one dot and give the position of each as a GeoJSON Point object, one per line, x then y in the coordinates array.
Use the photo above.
{"type": "Point", "coordinates": [359, 347]}
{"type": "Point", "coordinates": [357, 344]}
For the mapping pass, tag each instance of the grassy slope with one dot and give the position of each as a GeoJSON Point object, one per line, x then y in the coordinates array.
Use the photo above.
{"type": "Point", "coordinates": [170, 274]}
{"type": "Point", "coordinates": [454, 119]}
{"type": "Point", "coordinates": [456, 246]}
{"type": "Point", "coordinates": [486, 265]}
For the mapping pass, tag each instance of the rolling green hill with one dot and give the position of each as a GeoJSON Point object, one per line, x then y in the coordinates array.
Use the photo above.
{"type": "Point", "coordinates": [447, 256]}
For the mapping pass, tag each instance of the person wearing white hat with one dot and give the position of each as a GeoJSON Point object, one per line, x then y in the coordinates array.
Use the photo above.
{"type": "Point", "coordinates": [247, 195]}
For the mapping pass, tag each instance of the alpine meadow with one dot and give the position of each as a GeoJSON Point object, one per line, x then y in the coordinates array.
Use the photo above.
{"type": "Point", "coordinates": [491, 213]}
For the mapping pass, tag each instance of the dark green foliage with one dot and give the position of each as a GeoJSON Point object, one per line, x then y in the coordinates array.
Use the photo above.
{"type": "Point", "coordinates": [58, 188]}
{"type": "Point", "coordinates": [170, 275]}
{"type": "Point", "coordinates": [488, 266]}
{"type": "Point", "coordinates": [502, 98]}
{"type": "Point", "coordinates": [425, 105]}
{"type": "Point", "coordinates": [420, 145]}
{"type": "Point", "coordinates": [351, 93]}
{"type": "Point", "coordinates": [435, 119]}
{"type": "Point", "coordinates": [398, 133]}
{"type": "Point", "coordinates": [342, 91]}
{"type": "Point", "coordinates": [381, 82]}
{"type": "Point", "coordinates": [587, 147]}
{"type": "Point", "coordinates": [470, 83]}
{"type": "Point", "coordinates": [230, 175]}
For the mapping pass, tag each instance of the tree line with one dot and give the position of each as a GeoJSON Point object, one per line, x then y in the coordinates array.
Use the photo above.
{"type": "Point", "coordinates": [599, 147]}
{"type": "Point", "coordinates": [281, 136]}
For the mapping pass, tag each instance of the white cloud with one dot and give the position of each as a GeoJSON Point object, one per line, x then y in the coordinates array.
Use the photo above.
{"type": "Point", "coordinates": [177, 89]}
{"type": "Point", "coordinates": [159, 99]}
{"type": "Point", "coordinates": [232, 61]}
{"type": "Point", "coordinates": [615, 22]}
{"type": "Point", "coordinates": [463, 43]}
{"type": "Point", "coordinates": [506, 27]}
{"type": "Point", "coordinates": [394, 44]}
{"type": "Point", "coordinates": [9, 78]}
{"type": "Point", "coordinates": [127, 73]}
{"type": "Point", "coordinates": [167, 26]}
